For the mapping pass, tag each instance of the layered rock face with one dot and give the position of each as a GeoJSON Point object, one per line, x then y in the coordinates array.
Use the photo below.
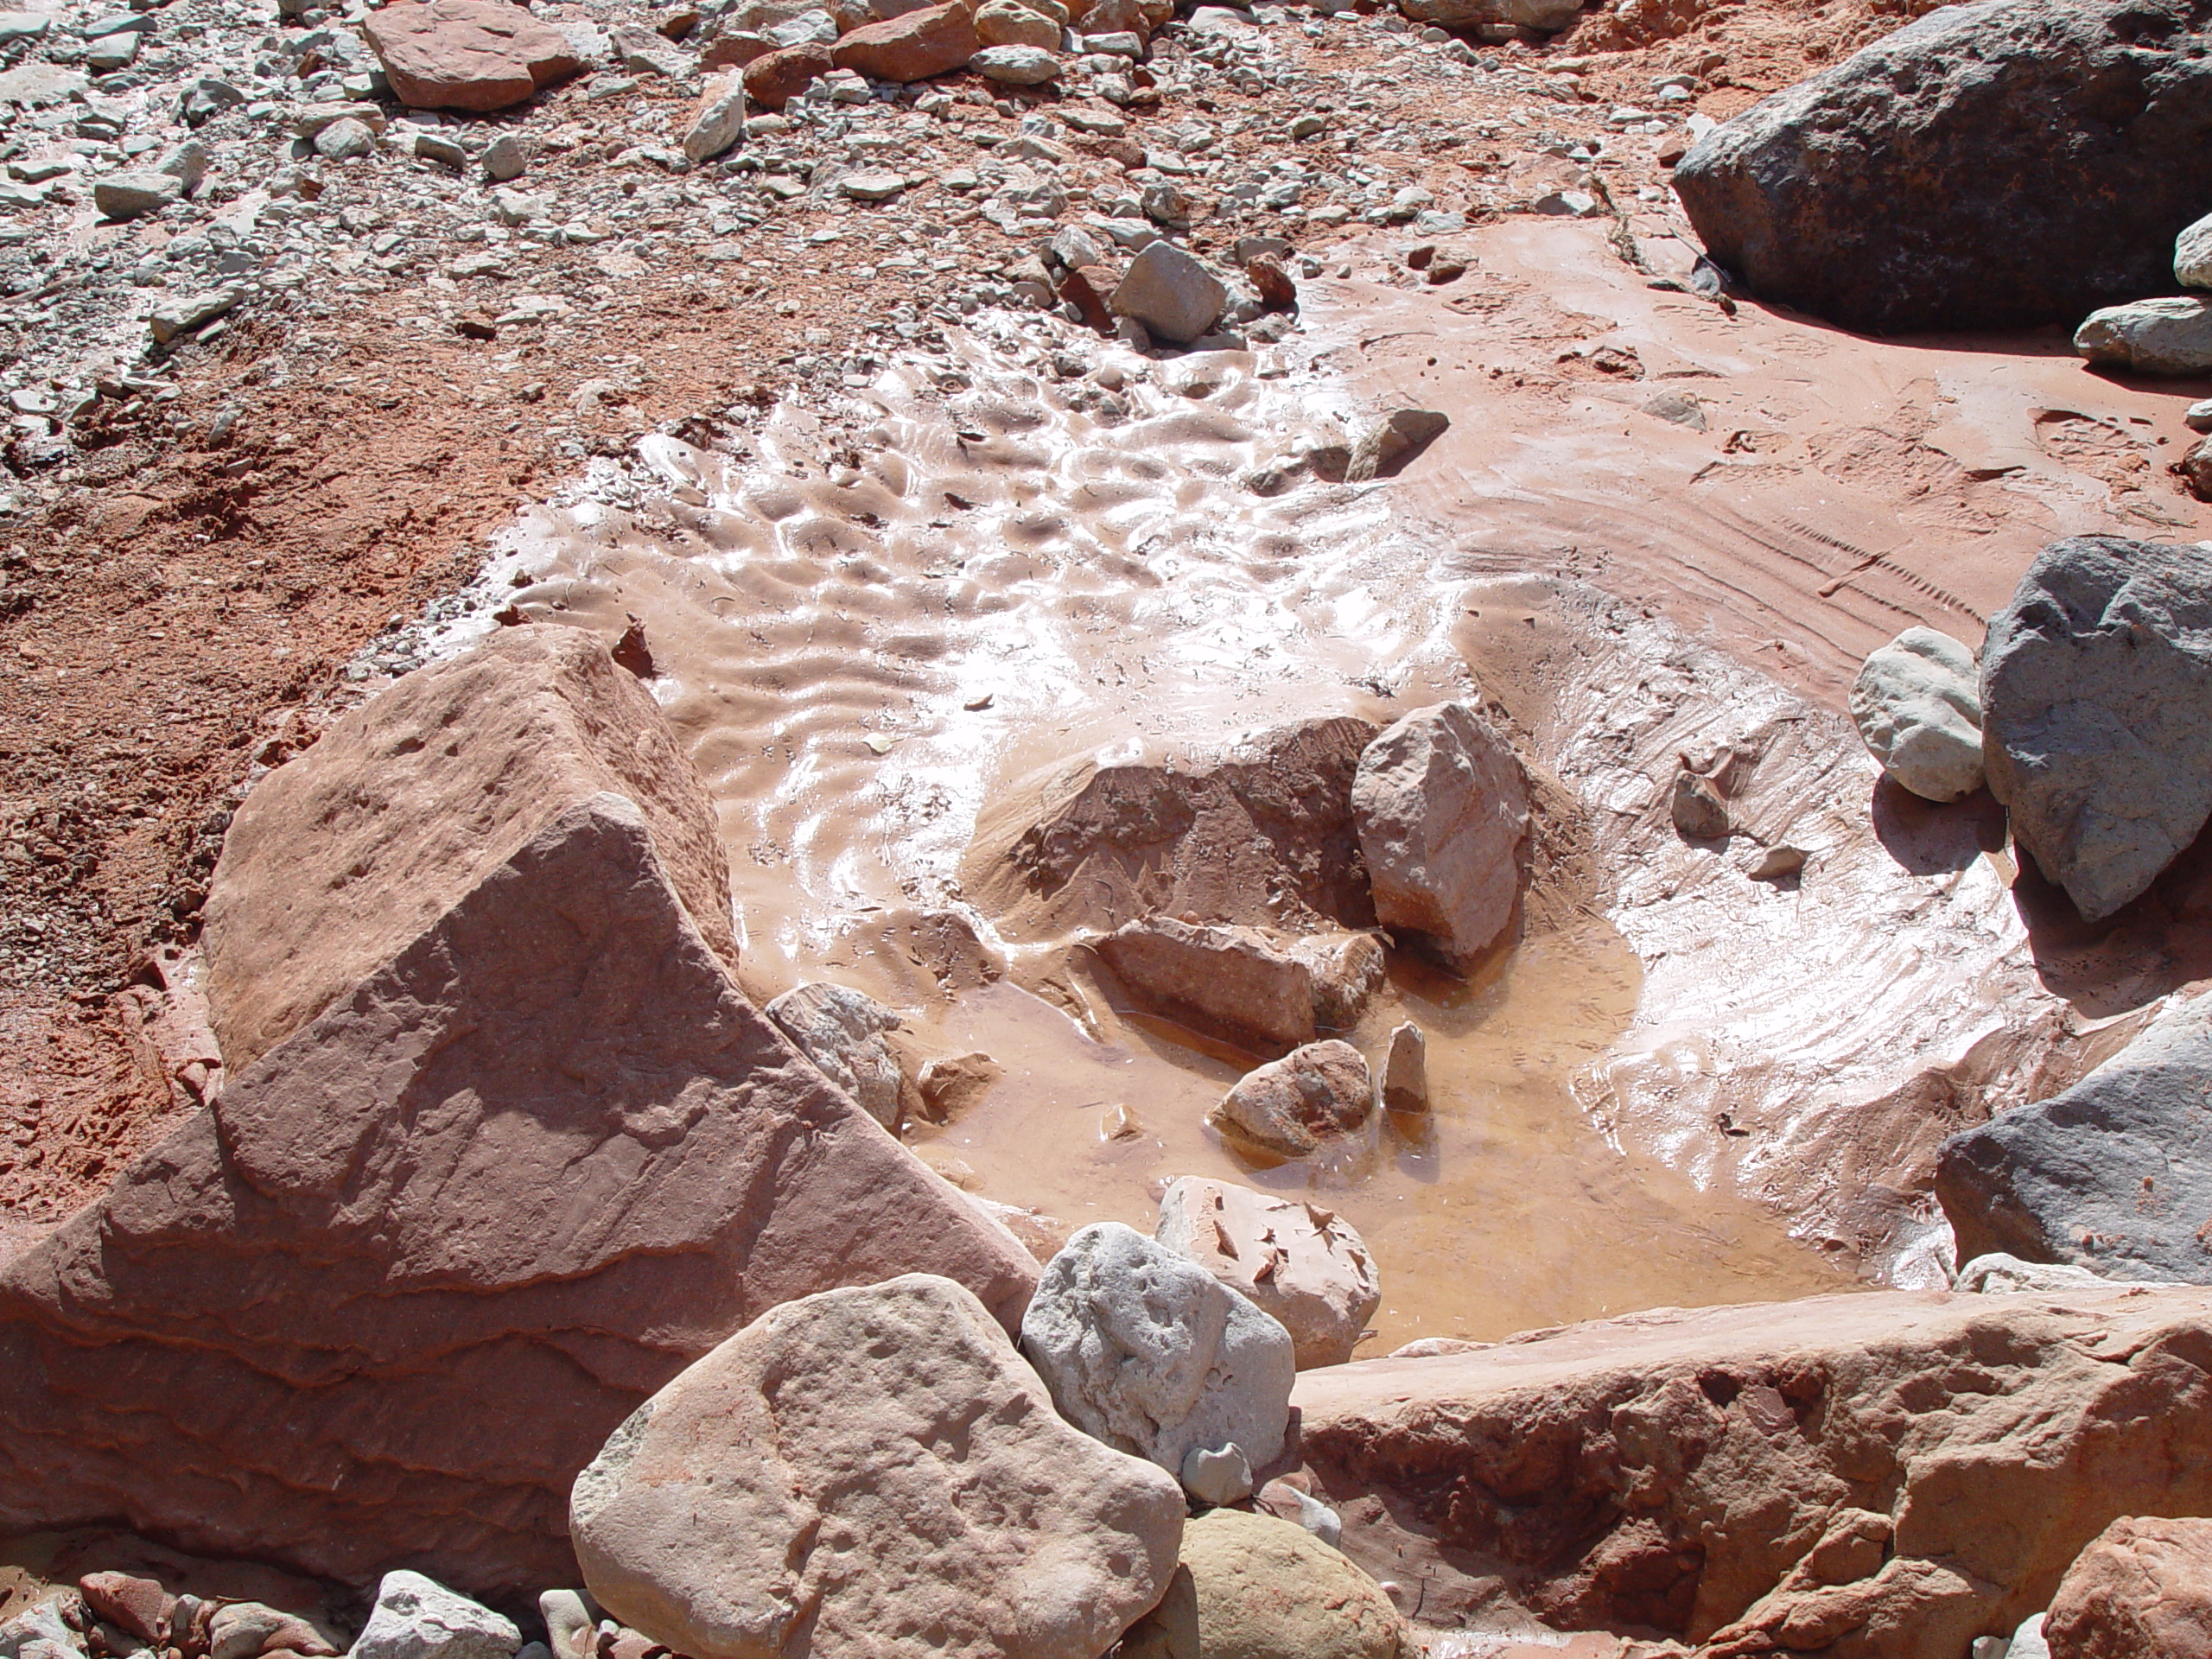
{"type": "Point", "coordinates": [1860, 1477]}
{"type": "Point", "coordinates": [1991, 166]}
{"type": "Point", "coordinates": [872, 1472]}
{"type": "Point", "coordinates": [429, 1249]}
{"type": "Point", "coordinates": [2114, 1174]}
{"type": "Point", "coordinates": [1259, 833]}
{"type": "Point", "coordinates": [2096, 694]}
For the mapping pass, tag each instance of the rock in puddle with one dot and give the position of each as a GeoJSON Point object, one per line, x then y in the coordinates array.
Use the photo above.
{"type": "Point", "coordinates": [1441, 805]}
{"type": "Point", "coordinates": [2096, 697]}
{"type": "Point", "coordinates": [1146, 1350]}
{"type": "Point", "coordinates": [1695, 807]}
{"type": "Point", "coordinates": [871, 1471]}
{"type": "Point", "coordinates": [1305, 1266]}
{"type": "Point", "coordinates": [1294, 1106]}
{"type": "Point", "coordinates": [1917, 704]}
{"type": "Point", "coordinates": [1242, 985]}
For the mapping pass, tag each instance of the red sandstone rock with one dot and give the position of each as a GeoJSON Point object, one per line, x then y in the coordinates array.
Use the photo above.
{"type": "Point", "coordinates": [1861, 1476]}
{"type": "Point", "coordinates": [934, 40]}
{"type": "Point", "coordinates": [138, 1605]}
{"type": "Point", "coordinates": [2142, 1590]}
{"type": "Point", "coordinates": [775, 78]}
{"type": "Point", "coordinates": [331, 867]}
{"type": "Point", "coordinates": [467, 54]}
{"type": "Point", "coordinates": [386, 1297]}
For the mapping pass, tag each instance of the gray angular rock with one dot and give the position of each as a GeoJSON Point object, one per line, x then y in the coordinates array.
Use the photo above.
{"type": "Point", "coordinates": [841, 1030]}
{"type": "Point", "coordinates": [718, 124]}
{"type": "Point", "coordinates": [2114, 1174]}
{"type": "Point", "coordinates": [190, 311]}
{"type": "Point", "coordinates": [1384, 449]}
{"type": "Point", "coordinates": [1969, 171]}
{"type": "Point", "coordinates": [871, 1473]}
{"type": "Point", "coordinates": [1217, 1478]}
{"type": "Point", "coordinates": [2193, 254]}
{"type": "Point", "coordinates": [127, 195]}
{"type": "Point", "coordinates": [1917, 705]}
{"type": "Point", "coordinates": [1169, 290]}
{"type": "Point", "coordinates": [416, 1618]}
{"type": "Point", "coordinates": [344, 139]}
{"type": "Point", "coordinates": [1145, 1350]}
{"type": "Point", "coordinates": [2096, 697]}
{"type": "Point", "coordinates": [2161, 336]}
{"type": "Point", "coordinates": [1292, 1107]}
{"type": "Point", "coordinates": [1999, 1274]}
{"type": "Point", "coordinates": [1017, 66]}
{"type": "Point", "coordinates": [1441, 805]}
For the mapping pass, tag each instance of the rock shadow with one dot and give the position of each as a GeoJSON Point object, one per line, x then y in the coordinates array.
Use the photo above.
{"type": "Point", "coordinates": [2152, 945]}
{"type": "Point", "coordinates": [1932, 837]}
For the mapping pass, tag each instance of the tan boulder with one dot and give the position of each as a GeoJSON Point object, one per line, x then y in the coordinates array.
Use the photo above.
{"type": "Point", "coordinates": [2141, 1590]}
{"type": "Point", "coordinates": [1258, 831]}
{"type": "Point", "coordinates": [872, 1472]}
{"type": "Point", "coordinates": [1242, 985]}
{"type": "Point", "coordinates": [467, 54]}
{"type": "Point", "coordinates": [396, 1286]}
{"type": "Point", "coordinates": [1290, 1107]}
{"type": "Point", "coordinates": [1257, 1587]}
{"type": "Point", "coordinates": [1858, 1476]}
{"type": "Point", "coordinates": [1441, 805]}
{"type": "Point", "coordinates": [1008, 22]}
{"type": "Point", "coordinates": [1306, 1266]}
{"type": "Point", "coordinates": [330, 869]}
{"type": "Point", "coordinates": [934, 40]}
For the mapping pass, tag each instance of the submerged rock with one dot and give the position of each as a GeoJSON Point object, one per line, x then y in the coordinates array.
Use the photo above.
{"type": "Point", "coordinates": [2114, 1174]}
{"type": "Point", "coordinates": [1895, 1472]}
{"type": "Point", "coordinates": [871, 1473]}
{"type": "Point", "coordinates": [1292, 1106]}
{"type": "Point", "coordinates": [1240, 984]}
{"type": "Point", "coordinates": [1146, 1350]}
{"type": "Point", "coordinates": [2096, 696]}
{"type": "Point", "coordinates": [1441, 806]}
{"type": "Point", "coordinates": [1917, 705]}
{"type": "Point", "coordinates": [1968, 171]}
{"type": "Point", "coordinates": [1305, 1266]}
{"type": "Point", "coordinates": [2141, 1590]}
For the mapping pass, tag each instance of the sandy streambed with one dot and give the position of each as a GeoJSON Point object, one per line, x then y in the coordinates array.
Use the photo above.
{"type": "Point", "coordinates": [1685, 1084]}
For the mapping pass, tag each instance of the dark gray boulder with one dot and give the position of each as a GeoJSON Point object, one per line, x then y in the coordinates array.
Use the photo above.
{"type": "Point", "coordinates": [2115, 1174]}
{"type": "Point", "coordinates": [1991, 166]}
{"type": "Point", "coordinates": [2096, 698]}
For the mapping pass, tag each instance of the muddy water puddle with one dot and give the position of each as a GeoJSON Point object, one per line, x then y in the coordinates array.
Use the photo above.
{"type": "Point", "coordinates": [1505, 1210]}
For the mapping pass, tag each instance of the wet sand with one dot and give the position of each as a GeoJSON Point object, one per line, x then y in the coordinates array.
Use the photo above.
{"type": "Point", "coordinates": [872, 621]}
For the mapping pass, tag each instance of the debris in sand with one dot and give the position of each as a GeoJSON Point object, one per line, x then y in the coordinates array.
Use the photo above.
{"type": "Point", "coordinates": [1696, 806]}
{"type": "Point", "coordinates": [1405, 1071]}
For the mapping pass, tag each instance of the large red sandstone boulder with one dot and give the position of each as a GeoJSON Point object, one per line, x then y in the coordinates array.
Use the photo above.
{"type": "Point", "coordinates": [331, 867]}
{"type": "Point", "coordinates": [1860, 1477]}
{"type": "Point", "coordinates": [934, 40]}
{"type": "Point", "coordinates": [467, 54]}
{"type": "Point", "coordinates": [383, 1300]}
{"type": "Point", "coordinates": [2143, 1590]}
